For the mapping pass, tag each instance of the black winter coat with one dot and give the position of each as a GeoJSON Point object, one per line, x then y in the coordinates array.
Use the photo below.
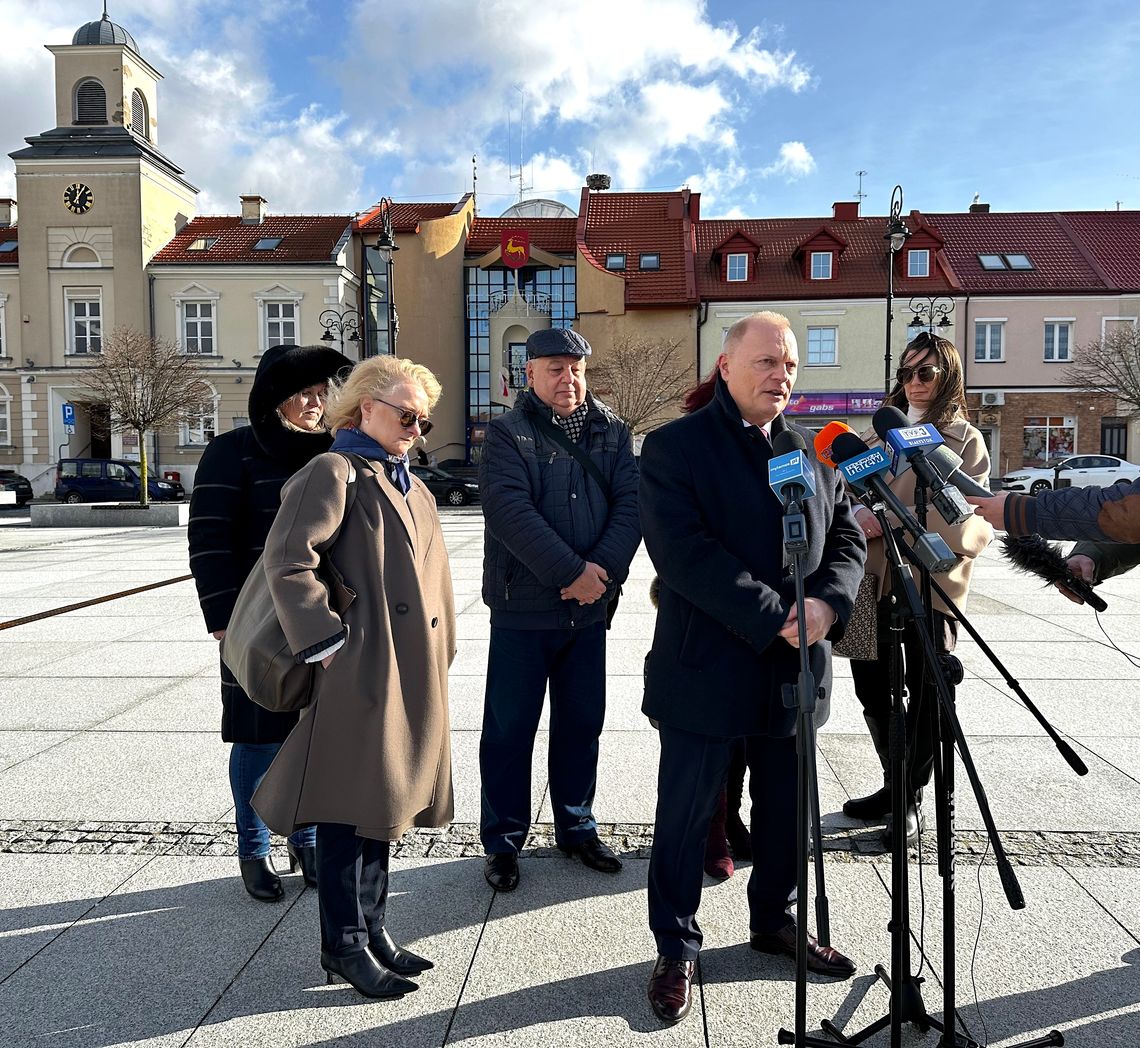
{"type": "Point", "coordinates": [713, 529]}
{"type": "Point", "coordinates": [546, 517]}
{"type": "Point", "coordinates": [237, 492]}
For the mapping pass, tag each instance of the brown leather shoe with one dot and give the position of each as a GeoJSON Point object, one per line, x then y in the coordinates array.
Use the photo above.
{"type": "Point", "coordinates": [824, 960]}
{"type": "Point", "coordinates": [671, 988]}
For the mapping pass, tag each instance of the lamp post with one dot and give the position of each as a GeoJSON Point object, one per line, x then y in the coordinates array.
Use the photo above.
{"type": "Point", "coordinates": [386, 247]}
{"type": "Point", "coordinates": [930, 313]}
{"type": "Point", "coordinates": [895, 237]}
{"type": "Point", "coordinates": [346, 324]}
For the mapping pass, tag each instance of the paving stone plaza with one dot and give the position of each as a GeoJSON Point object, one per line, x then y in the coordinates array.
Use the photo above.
{"type": "Point", "coordinates": [123, 920]}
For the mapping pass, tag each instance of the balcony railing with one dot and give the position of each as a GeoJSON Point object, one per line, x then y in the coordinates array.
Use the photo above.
{"type": "Point", "coordinates": [526, 302]}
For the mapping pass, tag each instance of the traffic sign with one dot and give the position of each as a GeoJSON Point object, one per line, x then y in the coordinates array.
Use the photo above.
{"type": "Point", "coordinates": [69, 414]}
{"type": "Point", "coordinates": [69, 430]}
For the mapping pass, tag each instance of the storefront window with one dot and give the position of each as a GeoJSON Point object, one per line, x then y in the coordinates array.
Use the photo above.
{"type": "Point", "coordinates": [1048, 437]}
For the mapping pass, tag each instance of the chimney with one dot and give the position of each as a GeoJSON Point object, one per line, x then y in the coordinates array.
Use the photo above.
{"type": "Point", "coordinates": [252, 210]}
{"type": "Point", "coordinates": [7, 211]}
{"type": "Point", "coordinates": [979, 209]}
{"type": "Point", "coordinates": [845, 211]}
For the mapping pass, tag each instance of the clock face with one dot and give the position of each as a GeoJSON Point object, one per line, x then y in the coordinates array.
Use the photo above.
{"type": "Point", "coordinates": [78, 198]}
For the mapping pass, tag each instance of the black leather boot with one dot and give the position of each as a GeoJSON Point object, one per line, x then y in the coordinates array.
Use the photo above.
{"type": "Point", "coordinates": [260, 880]}
{"type": "Point", "coordinates": [875, 806]}
{"type": "Point", "coordinates": [396, 958]}
{"type": "Point", "coordinates": [915, 824]}
{"type": "Point", "coordinates": [363, 973]}
{"type": "Point", "coordinates": [306, 858]}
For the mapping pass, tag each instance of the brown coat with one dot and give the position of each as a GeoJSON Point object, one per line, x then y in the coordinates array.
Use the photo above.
{"type": "Point", "coordinates": [373, 749]}
{"type": "Point", "coordinates": [967, 539]}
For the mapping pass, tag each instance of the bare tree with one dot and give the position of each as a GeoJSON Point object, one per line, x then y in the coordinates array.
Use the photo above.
{"type": "Point", "coordinates": [146, 383]}
{"type": "Point", "coordinates": [643, 380]}
{"type": "Point", "coordinates": [1110, 367]}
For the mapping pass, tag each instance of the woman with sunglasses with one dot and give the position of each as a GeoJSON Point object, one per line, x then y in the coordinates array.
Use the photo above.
{"type": "Point", "coordinates": [930, 389]}
{"type": "Point", "coordinates": [371, 755]}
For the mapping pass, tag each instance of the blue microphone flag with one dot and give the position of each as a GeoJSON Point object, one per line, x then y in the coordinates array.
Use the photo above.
{"type": "Point", "coordinates": [858, 470]}
{"type": "Point", "coordinates": [908, 439]}
{"type": "Point", "coordinates": [791, 470]}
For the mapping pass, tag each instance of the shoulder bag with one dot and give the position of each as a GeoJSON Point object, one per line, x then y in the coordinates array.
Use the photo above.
{"type": "Point", "coordinates": [254, 647]}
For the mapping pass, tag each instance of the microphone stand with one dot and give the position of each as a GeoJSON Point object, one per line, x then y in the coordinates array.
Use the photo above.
{"type": "Point", "coordinates": [802, 696]}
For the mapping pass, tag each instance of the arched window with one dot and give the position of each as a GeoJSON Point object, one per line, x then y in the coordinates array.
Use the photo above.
{"type": "Point", "coordinates": [140, 119]}
{"type": "Point", "coordinates": [90, 103]}
{"type": "Point", "coordinates": [81, 255]}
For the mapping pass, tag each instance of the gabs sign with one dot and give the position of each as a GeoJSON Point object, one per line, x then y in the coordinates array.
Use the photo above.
{"type": "Point", "coordinates": [515, 247]}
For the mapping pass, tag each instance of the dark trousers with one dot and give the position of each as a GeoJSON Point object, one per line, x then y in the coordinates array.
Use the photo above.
{"type": "Point", "coordinates": [873, 688]}
{"type": "Point", "coordinates": [520, 665]}
{"type": "Point", "coordinates": [690, 778]}
{"type": "Point", "coordinates": [352, 887]}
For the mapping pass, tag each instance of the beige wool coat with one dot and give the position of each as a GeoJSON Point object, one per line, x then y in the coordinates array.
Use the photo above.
{"type": "Point", "coordinates": [373, 748]}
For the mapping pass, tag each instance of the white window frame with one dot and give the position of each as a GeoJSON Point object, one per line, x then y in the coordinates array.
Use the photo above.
{"type": "Point", "coordinates": [187, 438]}
{"type": "Point", "coordinates": [1115, 320]}
{"type": "Point", "coordinates": [196, 305]}
{"type": "Point", "coordinates": [989, 321]}
{"type": "Point", "coordinates": [276, 295]}
{"type": "Point", "coordinates": [70, 264]}
{"type": "Point", "coordinates": [736, 257]}
{"type": "Point", "coordinates": [834, 362]}
{"type": "Point", "coordinates": [915, 255]}
{"type": "Point", "coordinates": [5, 416]}
{"type": "Point", "coordinates": [1057, 323]}
{"type": "Point", "coordinates": [195, 292]}
{"type": "Point", "coordinates": [821, 255]}
{"type": "Point", "coordinates": [72, 296]}
{"type": "Point", "coordinates": [3, 325]}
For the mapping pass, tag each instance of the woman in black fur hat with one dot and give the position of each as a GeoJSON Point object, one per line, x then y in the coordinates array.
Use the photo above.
{"type": "Point", "coordinates": [237, 490]}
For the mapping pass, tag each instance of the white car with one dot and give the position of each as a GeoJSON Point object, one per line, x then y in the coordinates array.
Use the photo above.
{"type": "Point", "coordinates": [1081, 471]}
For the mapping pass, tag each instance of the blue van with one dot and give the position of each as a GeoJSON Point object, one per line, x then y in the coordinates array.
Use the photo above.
{"type": "Point", "coordinates": [109, 480]}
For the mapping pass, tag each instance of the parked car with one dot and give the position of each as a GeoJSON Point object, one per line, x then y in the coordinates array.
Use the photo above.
{"type": "Point", "coordinates": [12, 481]}
{"type": "Point", "coordinates": [109, 480]}
{"type": "Point", "coordinates": [448, 489]}
{"type": "Point", "coordinates": [1081, 471]}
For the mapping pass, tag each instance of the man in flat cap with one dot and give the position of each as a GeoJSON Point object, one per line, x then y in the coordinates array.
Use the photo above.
{"type": "Point", "coordinates": [558, 482]}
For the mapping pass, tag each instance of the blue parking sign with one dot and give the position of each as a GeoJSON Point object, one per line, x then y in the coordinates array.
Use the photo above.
{"type": "Point", "coordinates": [69, 414]}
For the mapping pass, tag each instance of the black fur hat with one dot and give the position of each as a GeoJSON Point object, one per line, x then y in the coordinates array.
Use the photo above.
{"type": "Point", "coordinates": [285, 370]}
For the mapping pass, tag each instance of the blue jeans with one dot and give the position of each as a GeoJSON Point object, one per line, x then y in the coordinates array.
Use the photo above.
{"type": "Point", "coordinates": [248, 764]}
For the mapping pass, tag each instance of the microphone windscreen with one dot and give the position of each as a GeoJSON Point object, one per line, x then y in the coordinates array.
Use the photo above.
{"type": "Point", "coordinates": [787, 440]}
{"type": "Point", "coordinates": [848, 446]}
{"type": "Point", "coordinates": [888, 417]}
{"type": "Point", "coordinates": [824, 440]}
{"type": "Point", "coordinates": [1035, 556]}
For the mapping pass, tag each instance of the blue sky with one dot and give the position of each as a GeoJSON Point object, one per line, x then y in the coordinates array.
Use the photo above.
{"type": "Point", "coordinates": [768, 108]}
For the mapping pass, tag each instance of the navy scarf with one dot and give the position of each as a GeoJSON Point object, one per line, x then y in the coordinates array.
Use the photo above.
{"type": "Point", "coordinates": [360, 443]}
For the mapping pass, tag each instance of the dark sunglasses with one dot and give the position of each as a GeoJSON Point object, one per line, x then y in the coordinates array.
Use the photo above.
{"type": "Point", "coordinates": [410, 418]}
{"type": "Point", "coordinates": [925, 373]}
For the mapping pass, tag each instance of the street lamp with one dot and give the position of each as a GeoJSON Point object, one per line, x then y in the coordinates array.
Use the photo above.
{"type": "Point", "coordinates": [895, 237]}
{"type": "Point", "coordinates": [930, 313]}
{"type": "Point", "coordinates": [340, 321]}
{"type": "Point", "coordinates": [386, 247]}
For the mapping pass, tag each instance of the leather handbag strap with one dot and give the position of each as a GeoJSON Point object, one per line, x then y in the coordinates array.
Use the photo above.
{"type": "Point", "coordinates": [558, 435]}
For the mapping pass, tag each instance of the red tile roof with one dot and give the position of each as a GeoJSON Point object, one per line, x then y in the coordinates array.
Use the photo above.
{"type": "Point", "coordinates": [861, 271]}
{"type": "Point", "coordinates": [556, 235]}
{"type": "Point", "coordinates": [1059, 263]}
{"type": "Point", "coordinates": [304, 239]}
{"type": "Point", "coordinates": [9, 258]}
{"type": "Point", "coordinates": [633, 224]}
{"type": "Point", "coordinates": [1112, 238]}
{"type": "Point", "coordinates": [406, 216]}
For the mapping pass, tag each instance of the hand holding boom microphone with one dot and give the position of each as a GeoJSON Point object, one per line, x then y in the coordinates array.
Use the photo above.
{"type": "Point", "coordinates": [863, 467]}
{"type": "Point", "coordinates": [910, 441]}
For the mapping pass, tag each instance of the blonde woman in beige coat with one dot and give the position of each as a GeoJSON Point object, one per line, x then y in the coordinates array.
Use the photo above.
{"type": "Point", "coordinates": [371, 755]}
{"type": "Point", "coordinates": [929, 388]}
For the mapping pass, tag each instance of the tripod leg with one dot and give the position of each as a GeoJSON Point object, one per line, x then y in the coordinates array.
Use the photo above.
{"type": "Point", "coordinates": [822, 906]}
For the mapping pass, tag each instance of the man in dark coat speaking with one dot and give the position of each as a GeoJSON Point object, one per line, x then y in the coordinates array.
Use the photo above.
{"type": "Point", "coordinates": [726, 641]}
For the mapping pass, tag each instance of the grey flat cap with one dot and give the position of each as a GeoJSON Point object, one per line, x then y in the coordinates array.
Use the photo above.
{"type": "Point", "coordinates": [556, 342]}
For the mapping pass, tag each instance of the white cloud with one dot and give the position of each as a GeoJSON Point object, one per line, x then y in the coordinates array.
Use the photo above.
{"type": "Point", "coordinates": [794, 161]}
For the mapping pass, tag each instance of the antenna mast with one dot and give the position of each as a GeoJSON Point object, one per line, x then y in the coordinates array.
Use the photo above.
{"type": "Point", "coordinates": [860, 195]}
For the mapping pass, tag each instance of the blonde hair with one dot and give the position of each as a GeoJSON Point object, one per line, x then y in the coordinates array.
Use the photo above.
{"type": "Point", "coordinates": [375, 377]}
{"type": "Point", "coordinates": [766, 316]}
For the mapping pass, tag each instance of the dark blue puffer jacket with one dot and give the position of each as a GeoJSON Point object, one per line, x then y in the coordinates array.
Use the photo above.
{"type": "Point", "coordinates": [546, 516]}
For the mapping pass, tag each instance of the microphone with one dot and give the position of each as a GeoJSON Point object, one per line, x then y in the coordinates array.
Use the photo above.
{"type": "Point", "coordinates": [825, 438]}
{"type": "Point", "coordinates": [910, 442]}
{"type": "Point", "coordinates": [1034, 556]}
{"type": "Point", "coordinates": [863, 467]}
{"type": "Point", "coordinates": [791, 477]}
{"type": "Point", "coordinates": [790, 474]}
{"type": "Point", "coordinates": [946, 462]}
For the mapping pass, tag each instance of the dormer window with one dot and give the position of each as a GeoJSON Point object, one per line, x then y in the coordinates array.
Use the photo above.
{"type": "Point", "coordinates": [8, 245]}
{"type": "Point", "coordinates": [649, 260]}
{"type": "Point", "coordinates": [918, 262]}
{"type": "Point", "coordinates": [737, 267]}
{"type": "Point", "coordinates": [202, 244]}
{"type": "Point", "coordinates": [267, 244]}
{"type": "Point", "coordinates": [90, 103]}
{"type": "Point", "coordinates": [615, 263]}
{"type": "Point", "coordinates": [821, 265]}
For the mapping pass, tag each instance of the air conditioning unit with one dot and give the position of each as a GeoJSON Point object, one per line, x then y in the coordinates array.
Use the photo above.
{"type": "Point", "coordinates": [993, 400]}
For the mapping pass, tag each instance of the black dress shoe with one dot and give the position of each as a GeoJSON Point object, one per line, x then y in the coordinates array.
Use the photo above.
{"type": "Point", "coordinates": [594, 854]}
{"type": "Point", "coordinates": [306, 858]}
{"type": "Point", "coordinates": [363, 973]}
{"type": "Point", "coordinates": [396, 958]}
{"type": "Point", "coordinates": [873, 807]}
{"type": "Point", "coordinates": [501, 870]}
{"type": "Point", "coordinates": [824, 960]}
{"type": "Point", "coordinates": [671, 989]}
{"type": "Point", "coordinates": [260, 880]}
